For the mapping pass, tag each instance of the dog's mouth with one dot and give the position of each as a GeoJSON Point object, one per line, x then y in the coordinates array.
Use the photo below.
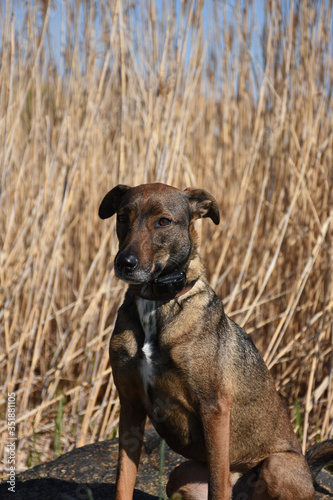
{"type": "Point", "coordinates": [137, 278]}
{"type": "Point", "coordinates": [166, 284]}
{"type": "Point", "coordinates": [143, 278]}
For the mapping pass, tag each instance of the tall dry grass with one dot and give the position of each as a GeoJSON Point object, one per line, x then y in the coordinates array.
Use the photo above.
{"type": "Point", "coordinates": [192, 97]}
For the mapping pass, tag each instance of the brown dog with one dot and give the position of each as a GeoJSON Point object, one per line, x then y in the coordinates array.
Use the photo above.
{"type": "Point", "coordinates": [179, 359]}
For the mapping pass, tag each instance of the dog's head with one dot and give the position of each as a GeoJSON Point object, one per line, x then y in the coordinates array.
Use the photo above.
{"type": "Point", "coordinates": [154, 228]}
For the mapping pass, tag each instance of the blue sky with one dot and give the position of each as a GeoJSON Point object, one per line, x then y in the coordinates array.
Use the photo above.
{"type": "Point", "coordinates": [58, 7]}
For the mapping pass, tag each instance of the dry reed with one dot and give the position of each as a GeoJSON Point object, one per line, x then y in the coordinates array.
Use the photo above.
{"type": "Point", "coordinates": [192, 95]}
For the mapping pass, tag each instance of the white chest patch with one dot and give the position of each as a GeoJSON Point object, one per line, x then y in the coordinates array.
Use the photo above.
{"type": "Point", "coordinates": [147, 312]}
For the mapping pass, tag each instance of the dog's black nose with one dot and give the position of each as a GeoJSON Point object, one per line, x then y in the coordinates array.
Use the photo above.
{"type": "Point", "coordinates": [127, 261]}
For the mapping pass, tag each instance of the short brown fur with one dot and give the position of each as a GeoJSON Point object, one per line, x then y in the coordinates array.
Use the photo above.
{"type": "Point", "coordinates": [180, 360]}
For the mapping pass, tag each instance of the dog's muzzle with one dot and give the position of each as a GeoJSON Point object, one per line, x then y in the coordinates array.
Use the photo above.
{"type": "Point", "coordinates": [166, 286]}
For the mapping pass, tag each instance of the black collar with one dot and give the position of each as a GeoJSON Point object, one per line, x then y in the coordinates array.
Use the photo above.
{"type": "Point", "coordinates": [166, 287]}
{"type": "Point", "coordinates": [169, 284]}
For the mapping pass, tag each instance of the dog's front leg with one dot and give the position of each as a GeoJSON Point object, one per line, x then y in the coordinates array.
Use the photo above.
{"type": "Point", "coordinates": [216, 423]}
{"type": "Point", "coordinates": [131, 429]}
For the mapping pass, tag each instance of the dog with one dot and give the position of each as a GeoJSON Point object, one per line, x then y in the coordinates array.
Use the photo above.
{"type": "Point", "coordinates": [177, 358]}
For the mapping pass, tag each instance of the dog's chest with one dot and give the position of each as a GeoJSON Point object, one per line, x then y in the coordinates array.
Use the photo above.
{"type": "Point", "coordinates": [147, 310]}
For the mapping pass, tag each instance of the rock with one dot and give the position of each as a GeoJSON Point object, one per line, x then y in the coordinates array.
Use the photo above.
{"type": "Point", "coordinates": [89, 472]}
{"type": "Point", "coordinates": [324, 485]}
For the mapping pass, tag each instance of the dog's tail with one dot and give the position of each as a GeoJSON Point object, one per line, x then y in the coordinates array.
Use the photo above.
{"type": "Point", "coordinates": [319, 456]}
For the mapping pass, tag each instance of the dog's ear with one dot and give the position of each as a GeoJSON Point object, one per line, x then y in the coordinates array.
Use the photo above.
{"type": "Point", "coordinates": [202, 204]}
{"type": "Point", "coordinates": [111, 201]}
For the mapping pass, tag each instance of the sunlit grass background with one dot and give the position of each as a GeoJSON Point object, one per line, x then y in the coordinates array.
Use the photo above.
{"type": "Point", "coordinates": [191, 95]}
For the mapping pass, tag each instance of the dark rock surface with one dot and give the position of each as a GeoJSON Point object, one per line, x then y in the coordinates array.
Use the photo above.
{"type": "Point", "coordinates": [88, 473]}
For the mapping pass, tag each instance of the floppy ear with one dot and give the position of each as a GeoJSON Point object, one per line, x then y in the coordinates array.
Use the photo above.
{"type": "Point", "coordinates": [202, 204]}
{"type": "Point", "coordinates": [111, 201]}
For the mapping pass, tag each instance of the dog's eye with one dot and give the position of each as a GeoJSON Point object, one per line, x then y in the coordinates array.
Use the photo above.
{"type": "Point", "coordinates": [164, 221]}
{"type": "Point", "coordinates": [122, 218]}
